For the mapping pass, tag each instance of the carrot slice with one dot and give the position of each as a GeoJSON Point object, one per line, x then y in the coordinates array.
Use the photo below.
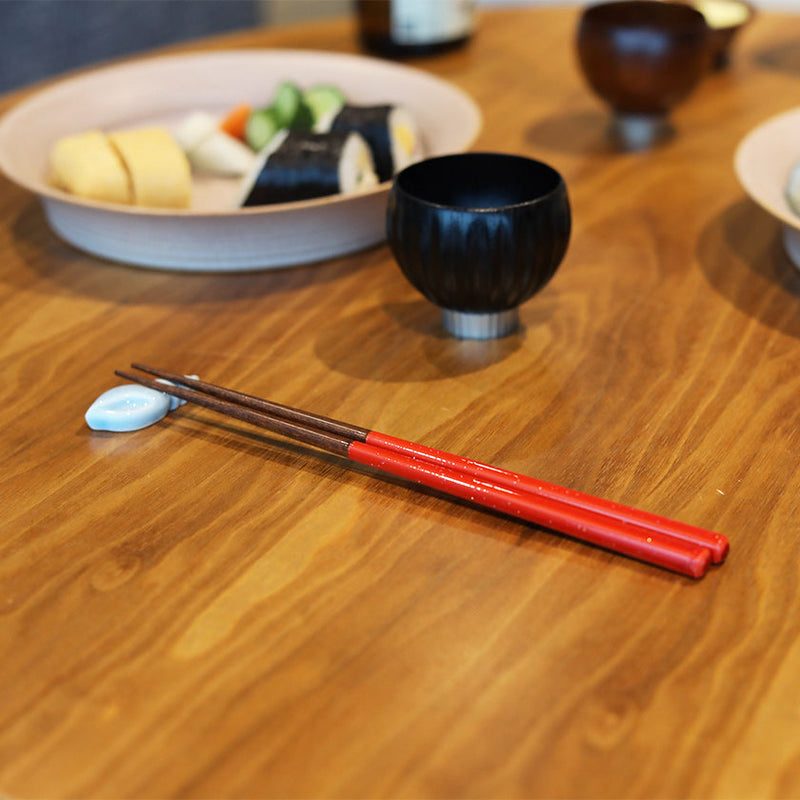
{"type": "Point", "coordinates": [235, 121]}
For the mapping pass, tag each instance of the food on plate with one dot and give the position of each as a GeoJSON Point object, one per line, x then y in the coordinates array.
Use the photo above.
{"type": "Point", "coordinates": [143, 167]}
{"type": "Point", "coordinates": [211, 149]}
{"type": "Point", "coordinates": [300, 165]}
{"type": "Point", "coordinates": [290, 109]}
{"type": "Point", "coordinates": [87, 166]}
{"type": "Point", "coordinates": [193, 129]}
{"type": "Point", "coordinates": [262, 127]}
{"type": "Point", "coordinates": [390, 132]}
{"type": "Point", "coordinates": [304, 143]}
{"type": "Point", "coordinates": [234, 122]}
{"type": "Point", "coordinates": [289, 168]}
{"type": "Point", "coordinates": [159, 170]}
{"type": "Point", "coordinates": [287, 110]}
{"type": "Point", "coordinates": [221, 154]}
{"type": "Point", "coordinates": [325, 102]}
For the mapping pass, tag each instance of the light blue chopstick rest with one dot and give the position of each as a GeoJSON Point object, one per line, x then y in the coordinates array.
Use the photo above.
{"type": "Point", "coordinates": [127, 408]}
{"type": "Point", "coordinates": [130, 408]}
{"type": "Point", "coordinates": [174, 402]}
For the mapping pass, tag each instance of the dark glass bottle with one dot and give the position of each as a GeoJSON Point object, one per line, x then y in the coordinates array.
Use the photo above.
{"type": "Point", "coordinates": [411, 28]}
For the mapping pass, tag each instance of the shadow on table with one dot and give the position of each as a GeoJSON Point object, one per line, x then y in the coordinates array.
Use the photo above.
{"type": "Point", "coordinates": [741, 254]}
{"type": "Point", "coordinates": [277, 453]}
{"type": "Point", "coordinates": [585, 132]}
{"type": "Point", "coordinates": [402, 342]}
{"type": "Point", "coordinates": [782, 57]}
{"type": "Point", "coordinates": [68, 271]}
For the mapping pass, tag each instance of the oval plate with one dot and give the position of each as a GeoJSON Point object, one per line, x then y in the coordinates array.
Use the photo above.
{"type": "Point", "coordinates": [764, 159]}
{"type": "Point", "coordinates": [214, 235]}
{"type": "Point", "coordinates": [763, 162]}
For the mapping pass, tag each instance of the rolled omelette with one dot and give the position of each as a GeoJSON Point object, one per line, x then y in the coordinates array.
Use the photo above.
{"type": "Point", "coordinates": [159, 170]}
{"type": "Point", "coordinates": [86, 165]}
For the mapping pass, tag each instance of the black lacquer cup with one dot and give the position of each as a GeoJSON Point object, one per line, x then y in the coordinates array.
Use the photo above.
{"type": "Point", "coordinates": [478, 234]}
{"type": "Point", "coordinates": [642, 57]}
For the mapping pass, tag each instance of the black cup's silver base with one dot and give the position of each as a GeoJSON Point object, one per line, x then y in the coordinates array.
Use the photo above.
{"type": "Point", "coordinates": [640, 131]}
{"type": "Point", "coordinates": [491, 325]}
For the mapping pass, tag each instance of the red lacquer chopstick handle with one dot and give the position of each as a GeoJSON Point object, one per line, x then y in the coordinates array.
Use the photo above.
{"type": "Point", "coordinates": [654, 548]}
{"type": "Point", "coordinates": [716, 543]}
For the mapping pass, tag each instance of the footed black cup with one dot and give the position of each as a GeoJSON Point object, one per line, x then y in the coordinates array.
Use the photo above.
{"type": "Point", "coordinates": [478, 234]}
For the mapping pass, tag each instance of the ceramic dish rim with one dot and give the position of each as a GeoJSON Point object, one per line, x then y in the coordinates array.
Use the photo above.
{"type": "Point", "coordinates": [45, 191]}
{"type": "Point", "coordinates": [742, 166]}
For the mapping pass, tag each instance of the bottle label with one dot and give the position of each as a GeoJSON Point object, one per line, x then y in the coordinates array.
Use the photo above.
{"type": "Point", "coordinates": [430, 21]}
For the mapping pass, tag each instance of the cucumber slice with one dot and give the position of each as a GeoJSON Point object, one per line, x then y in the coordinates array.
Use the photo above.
{"type": "Point", "coordinates": [286, 103]}
{"type": "Point", "coordinates": [289, 108]}
{"type": "Point", "coordinates": [261, 126]}
{"type": "Point", "coordinates": [324, 101]}
{"type": "Point", "coordinates": [303, 120]}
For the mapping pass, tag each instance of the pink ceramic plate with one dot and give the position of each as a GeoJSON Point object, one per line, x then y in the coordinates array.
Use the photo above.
{"type": "Point", "coordinates": [214, 235]}
{"type": "Point", "coordinates": [764, 161]}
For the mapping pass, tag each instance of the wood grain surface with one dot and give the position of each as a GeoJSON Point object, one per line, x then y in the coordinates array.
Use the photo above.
{"type": "Point", "coordinates": [201, 609]}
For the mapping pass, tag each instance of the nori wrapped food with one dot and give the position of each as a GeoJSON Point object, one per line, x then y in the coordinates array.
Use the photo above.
{"type": "Point", "coordinates": [301, 165]}
{"type": "Point", "coordinates": [389, 131]}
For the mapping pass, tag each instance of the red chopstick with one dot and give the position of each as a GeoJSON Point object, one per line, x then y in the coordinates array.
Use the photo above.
{"type": "Point", "coordinates": [655, 548]}
{"type": "Point", "coordinates": [688, 558]}
{"type": "Point", "coordinates": [716, 543]}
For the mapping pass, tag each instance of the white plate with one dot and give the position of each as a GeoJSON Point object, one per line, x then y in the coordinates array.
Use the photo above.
{"type": "Point", "coordinates": [212, 235]}
{"type": "Point", "coordinates": [763, 161]}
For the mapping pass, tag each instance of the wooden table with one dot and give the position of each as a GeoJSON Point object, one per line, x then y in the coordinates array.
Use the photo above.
{"type": "Point", "coordinates": [201, 609]}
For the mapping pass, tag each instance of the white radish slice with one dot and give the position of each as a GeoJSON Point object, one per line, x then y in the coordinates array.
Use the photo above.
{"type": "Point", "coordinates": [222, 154]}
{"type": "Point", "coordinates": [198, 126]}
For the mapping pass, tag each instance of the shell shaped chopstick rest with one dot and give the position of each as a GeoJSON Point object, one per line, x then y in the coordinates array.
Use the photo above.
{"type": "Point", "coordinates": [130, 408]}
{"type": "Point", "coordinates": [127, 408]}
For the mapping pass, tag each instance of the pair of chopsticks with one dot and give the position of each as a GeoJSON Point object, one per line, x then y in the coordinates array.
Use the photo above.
{"type": "Point", "coordinates": [666, 543]}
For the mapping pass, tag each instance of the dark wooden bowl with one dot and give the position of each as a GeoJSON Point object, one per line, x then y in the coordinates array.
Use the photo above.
{"type": "Point", "coordinates": [478, 234]}
{"type": "Point", "coordinates": [643, 57]}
